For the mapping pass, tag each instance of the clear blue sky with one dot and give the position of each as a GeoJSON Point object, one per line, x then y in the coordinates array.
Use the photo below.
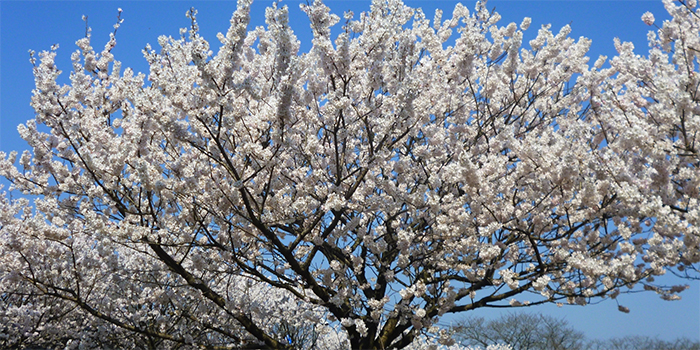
{"type": "Point", "coordinates": [26, 25]}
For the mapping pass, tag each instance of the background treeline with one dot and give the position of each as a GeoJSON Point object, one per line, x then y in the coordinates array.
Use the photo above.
{"type": "Point", "coordinates": [524, 331]}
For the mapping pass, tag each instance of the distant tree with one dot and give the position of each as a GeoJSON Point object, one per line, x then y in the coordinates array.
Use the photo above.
{"type": "Point", "coordinates": [640, 342]}
{"type": "Point", "coordinates": [522, 331]}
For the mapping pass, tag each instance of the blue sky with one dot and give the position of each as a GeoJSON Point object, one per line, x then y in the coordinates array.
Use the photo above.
{"type": "Point", "coordinates": [37, 25]}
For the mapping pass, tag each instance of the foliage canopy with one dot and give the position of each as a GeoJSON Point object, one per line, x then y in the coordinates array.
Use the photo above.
{"type": "Point", "coordinates": [378, 181]}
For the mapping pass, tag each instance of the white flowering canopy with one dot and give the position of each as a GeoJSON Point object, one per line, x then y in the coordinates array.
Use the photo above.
{"type": "Point", "coordinates": [403, 170]}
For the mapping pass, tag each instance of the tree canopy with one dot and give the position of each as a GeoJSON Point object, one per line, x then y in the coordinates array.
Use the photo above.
{"type": "Point", "coordinates": [400, 171]}
{"type": "Point", "coordinates": [521, 331]}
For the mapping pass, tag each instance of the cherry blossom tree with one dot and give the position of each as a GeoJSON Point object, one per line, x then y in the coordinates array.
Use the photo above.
{"type": "Point", "coordinates": [400, 171]}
